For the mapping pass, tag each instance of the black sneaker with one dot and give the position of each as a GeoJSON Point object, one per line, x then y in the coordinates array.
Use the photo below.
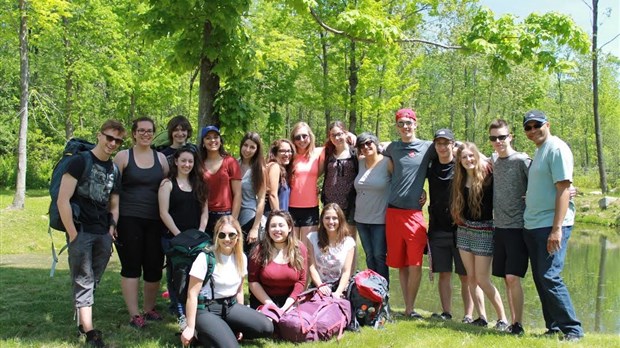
{"type": "Point", "coordinates": [516, 329]}
{"type": "Point", "coordinates": [415, 315]}
{"type": "Point", "coordinates": [501, 325]}
{"type": "Point", "coordinates": [444, 316]}
{"type": "Point", "coordinates": [551, 333]}
{"type": "Point", "coordinates": [94, 338]}
{"type": "Point", "coordinates": [480, 322]}
{"type": "Point", "coordinates": [569, 337]}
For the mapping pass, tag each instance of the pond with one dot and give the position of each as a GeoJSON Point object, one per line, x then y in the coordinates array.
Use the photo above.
{"type": "Point", "coordinates": [591, 272]}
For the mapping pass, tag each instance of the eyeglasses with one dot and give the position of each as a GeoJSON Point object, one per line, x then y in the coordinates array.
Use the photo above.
{"type": "Point", "coordinates": [401, 124]}
{"type": "Point", "coordinates": [299, 137]}
{"type": "Point", "coordinates": [223, 235]}
{"type": "Point", "coordinates": [142, 131]}
{"type": "Point", "coordinates": [366, 144]}
{"type": "Point", "coordinates": [110, 139]}
{"type": "Point", "coordinates": [285, 152]}
{"type": "Point", "coordinates": [536, 125]}
{"type": "Point", "coordinates": [494, 138]}
{"type": "Point", "coordinates": [444, 144]}
{"type": "Point", "coordinates": [336, 135]}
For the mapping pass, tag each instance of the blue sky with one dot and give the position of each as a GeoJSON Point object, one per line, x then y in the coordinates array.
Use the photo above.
{"type": "Point", "coordinates": [609, 26]}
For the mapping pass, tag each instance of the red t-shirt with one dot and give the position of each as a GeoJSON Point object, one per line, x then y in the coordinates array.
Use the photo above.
{"type": "Point", "coordinates": [219, 184]}
{"type": "Point", "coordinates": [277, 279]}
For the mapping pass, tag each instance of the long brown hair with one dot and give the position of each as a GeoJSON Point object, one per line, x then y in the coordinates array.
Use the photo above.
{"type": "Point", "coordinates": [343, 227]}
{"type": "Point", "coordinates": [199, 187]}
{"type": "Point", "coordinates": [267, 250]}
{"type": "Point", "coordinates": [238, 250]}
{"type": "Point", "coordinates": [286, 172]}
{"type": "Point", "coordinates": [257, 162]}
{"type": "Point", "coordinates": [474, 199]}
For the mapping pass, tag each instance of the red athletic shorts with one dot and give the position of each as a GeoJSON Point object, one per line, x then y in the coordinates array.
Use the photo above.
{"type": "Point", "coordinates": [405, 232]}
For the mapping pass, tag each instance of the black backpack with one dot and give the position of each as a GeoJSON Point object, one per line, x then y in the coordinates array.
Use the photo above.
{"type": "Point", "coordinates": [368, 292]}
{"type": "Point", "coordinates": [72, 148]}
{"type": "Point", "coordinates": [184, 248]}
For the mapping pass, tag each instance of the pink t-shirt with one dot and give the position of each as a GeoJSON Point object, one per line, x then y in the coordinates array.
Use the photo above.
{"type": "Point", "coordinates": [278, 279]}
{"type": "Point", "coordinates": [304, 189]}
{"type": "Point", "coordinates": [219, 184]}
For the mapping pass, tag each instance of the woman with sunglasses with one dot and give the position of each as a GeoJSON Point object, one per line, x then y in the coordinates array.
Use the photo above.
{"type": "Point", "coordinates": [472, 211]}
{"type": "Point", "coordinates": [139, 226]}
{"type": "Point", "coordinates": [183, 205]}
{"type": "Point", "coordinates": [279, 173]}
{"type": "Point", "coordinates": [331, 251]}
{"type": "Point", "coordinates": [307, 167]}
{"type": "Point", "coordinates": [222, 176]}
{"type": "Point", "coordinates": [277, 269]}
{"type": "Point", "coordinates": [372, 184]}
{"type": "Point", "coordinates": [340, 167]}
{"type": "Point", "coordinates": [215, 310]}
{"type": "Point", "coordinates": [253, 187]}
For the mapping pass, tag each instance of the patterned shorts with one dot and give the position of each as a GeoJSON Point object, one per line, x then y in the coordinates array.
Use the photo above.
{"type": "Point", "coordinates": [475, 237]}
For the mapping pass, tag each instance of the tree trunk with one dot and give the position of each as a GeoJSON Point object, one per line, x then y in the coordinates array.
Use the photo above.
{"type": "Point", "coordinates": [353, 82]}
{"type": "Point", "coordinates": [597, 120]}
{"type": "Point", "coordinates": [208, 89]}
{"type": "Point", "coordinates": [68, 80]}
{"type": "Point", "coordinates": [325, 93]}
{"type": "Point", "coordinates": [20, 186]}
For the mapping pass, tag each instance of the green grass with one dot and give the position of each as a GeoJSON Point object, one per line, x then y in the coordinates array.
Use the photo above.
{"type": "Point", "coordinates": [36, 310]}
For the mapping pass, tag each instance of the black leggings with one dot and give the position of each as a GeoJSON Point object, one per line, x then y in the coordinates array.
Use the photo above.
{"type": "Point", "coordinates": [217, 325]}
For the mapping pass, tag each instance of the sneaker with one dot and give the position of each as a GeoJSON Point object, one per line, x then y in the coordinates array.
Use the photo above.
{"type": "Point", "coordinates": [138, 322]}
{"type": "Point", "coordinates": [467, 320]}
{"type": "Point", "coordinates": [551, 333]}
{"type": "Point", "coordinates": [480, 322]}
{"type": "Point", "coordinates": [569, 337]}
{"type": "Point", "coordinates": [501, 325]}
{"type": "Point", "coordinates": [94, 338]}
{"type": "Point", "coordinates": [516, 329]}
{"type": "Point", "coordinates": [152, 315]}
{"type": "Point", "coordinates": [415, 315]}
{"type": "Point", "coordinates": [442, 316]}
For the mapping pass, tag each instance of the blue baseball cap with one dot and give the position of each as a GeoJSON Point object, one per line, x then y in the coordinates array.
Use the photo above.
{"type": "Point", "coordinates": [208, 129]}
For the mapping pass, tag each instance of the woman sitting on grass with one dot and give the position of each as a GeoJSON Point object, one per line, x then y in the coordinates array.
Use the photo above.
{"type": "Point", "coordinates": [331, 252]}
{"type": "Point", "coordinates": [215, 312]}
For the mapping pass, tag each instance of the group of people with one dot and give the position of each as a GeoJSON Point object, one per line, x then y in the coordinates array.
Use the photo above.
{"type": "Point", "coordinates": [263, 217]}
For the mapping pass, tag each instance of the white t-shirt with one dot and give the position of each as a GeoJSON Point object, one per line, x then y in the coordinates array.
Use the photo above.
{"type": "Point", "coordinates": [330, 264]}
{"type": "Point", "coordinates": [225, 277]}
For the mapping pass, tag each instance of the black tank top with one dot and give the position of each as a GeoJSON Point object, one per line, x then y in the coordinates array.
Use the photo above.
{"type": "Point", "coordinates": [184, 208]}
{"type": "Point", "coordinates": [138, 197]}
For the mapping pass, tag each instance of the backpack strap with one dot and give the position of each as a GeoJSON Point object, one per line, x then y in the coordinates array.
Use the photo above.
{"type": "Point", "coordinates": [210, 269]}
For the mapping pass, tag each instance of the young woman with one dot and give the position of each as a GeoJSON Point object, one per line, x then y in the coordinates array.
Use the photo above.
{"type": "Point", "coordinates": [279, 173]}
{"type": "Point", "coordinates": [373, 188]}
{"type": "Point", "coordinates": [331, 251]}
{"type": "Point", "coordinates": [222, 176]}
{"type": "Point", "coordinates": [253, 187]}
{"type": "Point", "coordinates": [183, 205]}
{"type": "Point", "coordinates": [179, 131]}
{"type": "Point", "coordinates": [222, 318]}
{"type": "Point", "coordinates": [307, 167]}
{"type": "Point", "coordinates": [139, 226]}
{"type": "Point", "coordinates": [472, 211]}
{"type": "Point", "coordinates": [277, 269]}
{"type": "Point", "coordinates": [341, 167]}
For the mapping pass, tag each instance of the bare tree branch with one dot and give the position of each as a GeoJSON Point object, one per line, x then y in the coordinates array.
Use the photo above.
{"type": "Point", "coordinates": [361, 39]}
{"type": "Point", "coordinates": [588, 5]}
{"type": "Point", "coordinates": [608, 42]}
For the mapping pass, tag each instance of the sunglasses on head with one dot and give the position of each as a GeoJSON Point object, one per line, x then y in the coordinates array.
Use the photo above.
{"type": "Point", "coordinates": [110, 139]}
{"type": "Point", "coordinates": [494, 138]}
{"type": "Point", "coordinates": [536, 125]}
{"type": "Point", "coordinates": [223, 235]}
{"type": "Point", "coordinates": [300, 137]}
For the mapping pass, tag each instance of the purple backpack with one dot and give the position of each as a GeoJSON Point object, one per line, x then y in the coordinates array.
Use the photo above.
{"type": "Point", "coordinates": [316, 318]}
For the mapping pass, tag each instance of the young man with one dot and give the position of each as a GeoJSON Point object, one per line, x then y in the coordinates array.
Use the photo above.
{"type": "Point", "coordinates": [509, 186]}
{"type": "Point", "coordinates": [405, 226]}
{"type": "Point", "coordinates": [95, 194]}
{"type": "Point", "coordinates": [548, 219]}
{"type": "Point", "coordinates": [442, 230]}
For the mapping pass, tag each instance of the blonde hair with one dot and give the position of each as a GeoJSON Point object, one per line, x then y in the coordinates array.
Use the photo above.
{"type": "Point", "coordinates": [238, 249]}
{"type": "Point", "coordinates": [474, 199]}
{"type": "Point", "coordinates": [312, 145]}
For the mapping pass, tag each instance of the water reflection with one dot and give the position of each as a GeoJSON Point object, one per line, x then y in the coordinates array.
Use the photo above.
{"type": "Point", "coordinates": [591, 272]}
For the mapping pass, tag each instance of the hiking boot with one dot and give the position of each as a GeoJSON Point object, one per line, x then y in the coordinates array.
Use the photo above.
{"type": "Point", "coordinates": [138, 322]}
{"type": "Point", "coordinates": [415, 315]}
{"type": "Point", "coordinates": [516, 329]}
{"type": "Point", "coordinates": [480, 322]}
{"type": "Point", "coordinates": [467, 320]}
{"type": "Point", "coordinates": [152, 315]}
{"type": "Point", "coordinates": [94, 338]}
{"type": "Point", "coordinates": [442, 316]}
{"type": "Point", "coordinates": [501, 325]}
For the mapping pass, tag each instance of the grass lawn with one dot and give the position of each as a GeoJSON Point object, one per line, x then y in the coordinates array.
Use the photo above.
{"type": "Point", "coordinates": [36, 310]}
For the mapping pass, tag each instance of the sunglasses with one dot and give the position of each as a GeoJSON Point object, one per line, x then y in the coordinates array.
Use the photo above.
{"type": "Point", "coordinates": [494, 138]}
{"type": "Point", "coordinates": [110, 139]}
{"type": "Point", "coordinates": [231, 235]}
{"type": "Point", "coordinates": [299, 137]}
{"type": "Point", "coordinates": [401, 124]}
{"type": "Point", "coordinates": [365, 144]}
{"type": "Point", "coordinates": [536, 125]}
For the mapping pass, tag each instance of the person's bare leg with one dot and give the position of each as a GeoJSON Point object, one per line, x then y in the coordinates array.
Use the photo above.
{"type": "Point", "coordinates": [413, 284]}
{"type": "Point", "coordinates": [468, 303]}
{"type": "Point", "coordinates": [129, 287]}
{"type": "Point", "coordinates": [482, 270]}
{"type": "Point", "coordinates": [86, 318]}
{"type": "Point", "coordinates": [445, 291]}
{"type": "Point", "coordinates": [472, 285]}
{"type": "Point", "coordinates": [515, 297]}
{"type": "Point", "coordinates": [403, 276]}
{"type": "Point", "coordinates": [151, 290]}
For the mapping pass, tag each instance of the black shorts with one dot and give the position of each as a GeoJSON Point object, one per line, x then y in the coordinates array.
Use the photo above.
{"type": "Point", "coordinates": [444, 254]}
{"type": "Point", "coordinates": [139, 248]}
{"type": "Point", "coordinates": [303, 217]}
{"type": "Point", "coordinates": [509, 253]}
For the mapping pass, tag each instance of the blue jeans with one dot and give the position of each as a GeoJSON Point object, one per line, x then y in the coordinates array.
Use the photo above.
{"type": "Point", "coordinates": [375, 247]}
{"type": "Point", "coordinates": [557, 306]}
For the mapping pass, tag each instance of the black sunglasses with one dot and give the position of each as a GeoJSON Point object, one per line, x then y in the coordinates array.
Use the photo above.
{"type": "Point", "coordinates": [231, 235]}
{"type": "Point", "coordinates": [299, 137]}
{"type": "Point", "coordinates": [536, 125]}
{"type": "Point", "coordinates": [365, 144]}
{"type": "Point", "coordinates": [494, 138]}
{"type": "Point", "coordinates": [110, 139]}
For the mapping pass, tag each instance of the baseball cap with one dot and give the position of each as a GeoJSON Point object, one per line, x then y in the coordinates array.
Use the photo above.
{"type": "Point", "coordinates": [535, 115]}
{"type": "Point", "coordinates": [405, 113]}
{"type": "Point", "coordinates": [208, 129]}
{"type": "Point", "coordinates": [444, 133]}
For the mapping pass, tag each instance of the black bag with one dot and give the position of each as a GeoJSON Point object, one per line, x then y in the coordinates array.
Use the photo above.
{"type": "Point", "coordinates": [368, 292]}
